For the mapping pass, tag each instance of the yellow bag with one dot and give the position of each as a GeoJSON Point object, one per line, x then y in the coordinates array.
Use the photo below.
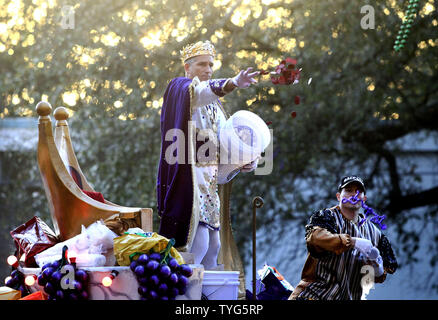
{"type": "Point", "coordinates": [131, 244]}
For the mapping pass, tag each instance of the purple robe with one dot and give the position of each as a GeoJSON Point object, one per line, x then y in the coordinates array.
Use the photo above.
{"type": "Point", "coordinates": [175, 181]}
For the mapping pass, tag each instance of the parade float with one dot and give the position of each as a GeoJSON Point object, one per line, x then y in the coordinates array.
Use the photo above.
{"type": "Point", "coordinates": [97, 250]}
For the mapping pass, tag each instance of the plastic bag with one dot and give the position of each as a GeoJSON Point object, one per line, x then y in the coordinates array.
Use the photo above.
{"type": "Point", "coordinates": [129, 244]}
{"type": "Point", "coordinates": [31, 238]}
{"type": "Point", "coordinates": [137, 230]}
{"type": "Point", "coordinates": [90, 247]}
{"type": "Point", "coordinates": [271, 285]}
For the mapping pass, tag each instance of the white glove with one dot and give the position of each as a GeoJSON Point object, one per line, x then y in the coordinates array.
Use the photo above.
{"type": "Point", "coordinates": [373, 254]}
{"type": "Point", "coordinates": [244, 79]}
{"type": "Point", "coordinates": [250, 166]}
{"type": "Point", "coordinates": [376, 261]}
{"type": "Point", "coordinates": [378, 266]}
{"type": "Point", "coordinates": [363, 245]}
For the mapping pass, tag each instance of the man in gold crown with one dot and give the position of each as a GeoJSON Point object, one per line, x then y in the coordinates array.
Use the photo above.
{"type": "Point", "coordinates": [189, 199]}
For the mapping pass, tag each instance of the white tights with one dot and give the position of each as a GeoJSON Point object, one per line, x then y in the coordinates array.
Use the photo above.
{"type": "Point", "coordinates": [206, 247]}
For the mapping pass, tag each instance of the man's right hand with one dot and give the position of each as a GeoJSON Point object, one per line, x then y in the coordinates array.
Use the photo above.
{"type": "Point", "coordinates": [363, 245]}
{"type": "Point", "coordinates": [245, 78]}
{"type": "Point", "coordinates": [250, 166]}
{"type": "Point", "coordinates": [377, 264]}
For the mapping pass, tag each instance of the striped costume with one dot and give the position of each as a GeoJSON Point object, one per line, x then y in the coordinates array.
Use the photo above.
{"type": "Point", "coordinates": [333, 267]}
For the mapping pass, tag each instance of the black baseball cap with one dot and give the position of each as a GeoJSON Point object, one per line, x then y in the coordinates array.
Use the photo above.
{"type": "Point", "coordinates": [349, 179]}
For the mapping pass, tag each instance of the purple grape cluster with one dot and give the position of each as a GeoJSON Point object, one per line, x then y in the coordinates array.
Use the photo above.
{"type": "Point", "coordinates": [51, 279]}
{"type": "Point", "coordinates": [17, 282]}
{"type": "Point", "coordinates": [159, 280]}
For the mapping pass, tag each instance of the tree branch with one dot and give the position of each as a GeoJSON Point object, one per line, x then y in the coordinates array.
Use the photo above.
{"type": "Point", "coordinates": [419, 199]}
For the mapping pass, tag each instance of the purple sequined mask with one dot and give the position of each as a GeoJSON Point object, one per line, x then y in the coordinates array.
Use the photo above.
{"type": "Point", "coordinates": [367, 211]}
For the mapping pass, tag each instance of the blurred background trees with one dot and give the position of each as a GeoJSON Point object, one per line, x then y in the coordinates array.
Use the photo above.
{"type": "Point", "coordinates": [365, 106]}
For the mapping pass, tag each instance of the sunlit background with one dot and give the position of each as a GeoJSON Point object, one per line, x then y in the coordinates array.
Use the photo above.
{"type": "Point", "coordinates": [108, 63]}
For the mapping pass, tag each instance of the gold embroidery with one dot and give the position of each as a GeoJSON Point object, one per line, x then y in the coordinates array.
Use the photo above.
{"type": "Point", "coordinates": [203, 189]}
{"type": "Point", "coordinates": [210, 112]}
{"type": "Point", "coordinates": [209, 201]}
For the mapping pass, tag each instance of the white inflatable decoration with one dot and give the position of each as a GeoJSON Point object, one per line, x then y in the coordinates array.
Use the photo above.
{"type": "Point", "coordinates": [242, 139]}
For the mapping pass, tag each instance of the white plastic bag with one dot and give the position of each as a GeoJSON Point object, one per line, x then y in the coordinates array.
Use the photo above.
{"type": "Point", "coordinates": [90, 247]}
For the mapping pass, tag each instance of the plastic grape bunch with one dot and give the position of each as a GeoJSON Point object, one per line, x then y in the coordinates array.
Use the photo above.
{"type": "Point", "coordinates": [16, 282]}
{"type": "Point", "coordinates": [56, 283]}
{"type": "Point", "coordinates": [160, 276]}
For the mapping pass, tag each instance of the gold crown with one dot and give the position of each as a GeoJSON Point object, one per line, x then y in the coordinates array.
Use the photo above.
{"type": "Point", "coordinates": [197, 49]}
